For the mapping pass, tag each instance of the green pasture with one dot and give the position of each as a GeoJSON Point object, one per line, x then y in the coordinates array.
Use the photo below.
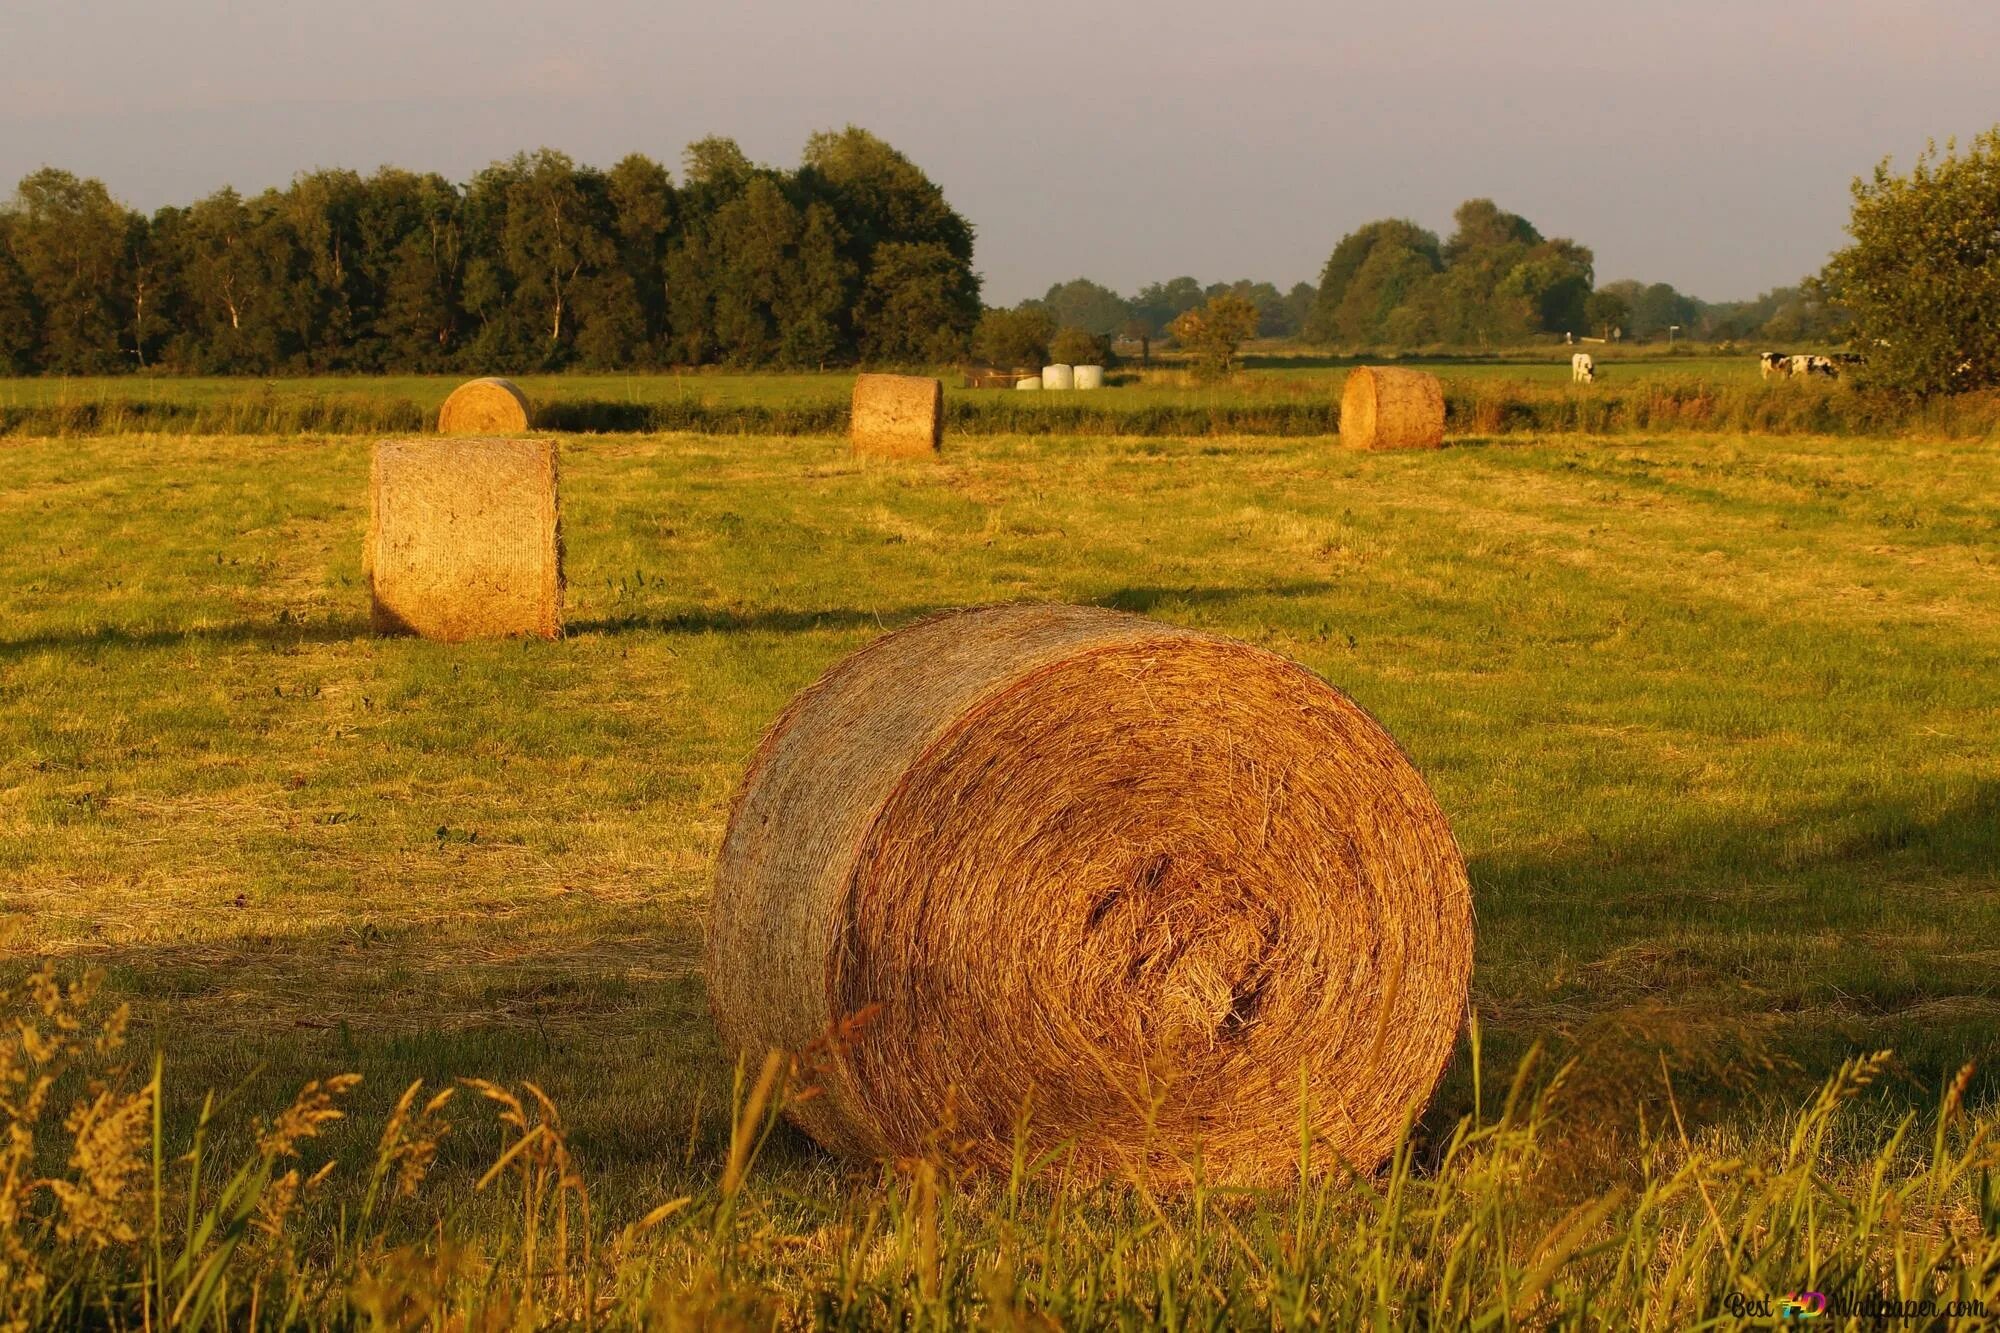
{"type": "Point", "coordinates": [1274, 375]}
{"type": "Point", "coordinates": [1714, 719]}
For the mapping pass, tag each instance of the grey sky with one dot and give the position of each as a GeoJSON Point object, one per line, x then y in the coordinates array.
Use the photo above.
{"type": "Point", "coordinates": [1707, 143]}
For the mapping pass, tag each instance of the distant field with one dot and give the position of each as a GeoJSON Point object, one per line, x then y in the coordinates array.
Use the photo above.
{"type": "Point", "coordinates": [1273, 396]}
{"type": "Point", "coordinates": [1713, 717]}
{"type": "Point", "coordinates": [1277, 376]}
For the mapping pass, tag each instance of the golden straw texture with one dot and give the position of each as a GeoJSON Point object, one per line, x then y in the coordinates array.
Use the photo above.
{"type": "Point", "coordinates": [1387, 408]}
{"type": "Point", "coordinates": [465, 539]}
{"type": "Point", "coordinates": [897, 416]}
{"type": "Point", "coordinates": [484, 407]}
{"type": "Point", "coordinates": [1143, 884]}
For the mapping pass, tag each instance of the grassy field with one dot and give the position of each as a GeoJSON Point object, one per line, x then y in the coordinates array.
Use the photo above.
{"type": "Point", "coordinates": [1272, 375]}
{"type": "Point", "coordinates": [1274, 395]}
{"type": "Point", "coordinates": [1714, 719]}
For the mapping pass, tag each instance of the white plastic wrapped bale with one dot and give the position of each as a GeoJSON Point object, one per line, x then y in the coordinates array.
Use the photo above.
{"type": "Point", "coordinates": [1028, 382]}
{"type": "Point", "coordinates": [1088, 377]}
{"type": "Point", "coordinates": [1058, 377]}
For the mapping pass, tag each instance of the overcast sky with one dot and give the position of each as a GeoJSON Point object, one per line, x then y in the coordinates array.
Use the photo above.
{"type": "Point", "coordinates": [1706, 143]}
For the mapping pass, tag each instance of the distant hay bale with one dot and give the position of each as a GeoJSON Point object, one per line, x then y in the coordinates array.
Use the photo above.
{"type": "Point", "coordinates": [1076, 862]}
{"type": "Point", "coordinates": [1058, 377]}
{"type": "Point", "coordinates": [1386, 408]}
{"type": "Point", "coordinates": [1028, 382]}
{"type": "Point", "coordinates": [897, 416]}
{"type": "Point", "coordinates": [484, 407]}
{"type": "Point", "coordinates": [465, 539]}
{"type": "Point", "coordinates": [1088, 377]}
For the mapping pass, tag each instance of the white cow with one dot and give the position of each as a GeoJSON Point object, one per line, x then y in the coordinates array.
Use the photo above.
{"type": "Point", "coordinates": [1807, 366]}
{"type": "Point", "coordinates": [1582, 370]}
{"type": "Point", "coordinates": [1774, 363]}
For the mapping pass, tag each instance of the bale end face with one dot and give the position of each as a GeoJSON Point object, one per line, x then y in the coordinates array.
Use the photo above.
{"type": "Point", "coordinates": [1385, 407]}
{"type": "Point", "coordinates": [489, 406]}
{"type": "Point", "coordinates": [465, 539]}
{"type": "Point", "coordinates": [897, 416]}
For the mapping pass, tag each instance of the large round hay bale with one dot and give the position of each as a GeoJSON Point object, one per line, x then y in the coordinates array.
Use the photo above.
{"type": "Point", "coordinates": [489, 406]}
{"type": "Point", "coordinates": [1130, 881]}
{"type": "Point", "coordinates": [1384, 407]}
{"type": "Point", "coordinates": [897, 416]}
{"type": "Point", "coordinates": [1058, 376]}
{"type": "Point", "coordinates": [1088, 377]}
{"type": "Point", "coordinates": [1028, 382]}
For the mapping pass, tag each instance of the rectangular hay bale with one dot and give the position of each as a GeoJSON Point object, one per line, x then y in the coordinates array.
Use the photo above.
{"type": "Point", "coordinates": [465, 539]}
{"type": "Point", "coordinates": [897, 416]}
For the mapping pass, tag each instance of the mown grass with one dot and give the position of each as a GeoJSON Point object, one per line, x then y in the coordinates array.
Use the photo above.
{"type": "Point", "coordinates": [1713, 718]}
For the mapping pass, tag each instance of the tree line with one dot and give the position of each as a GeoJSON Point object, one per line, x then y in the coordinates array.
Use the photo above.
{"type": "Point", "coordinates": [537, 263]}
{"type": "Point", "coordinates": [1495, 282]}
{"type": "Point", "coordinates": [1498, 281]}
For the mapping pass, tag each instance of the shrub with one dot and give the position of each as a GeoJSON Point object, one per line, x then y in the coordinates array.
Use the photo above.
{"type": "Point", "coordinates": [1922, 278]}
{"type": "Point", "coordinates": [1076, 347]}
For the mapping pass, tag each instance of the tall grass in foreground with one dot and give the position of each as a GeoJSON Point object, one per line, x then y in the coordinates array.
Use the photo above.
{"type": "Point", "coordinates": [1475, 406]}
{"type": "Point", "coordinates": [105, 1222]}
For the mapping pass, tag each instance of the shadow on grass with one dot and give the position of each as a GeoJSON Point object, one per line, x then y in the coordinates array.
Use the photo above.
{"type": "Point", "coordinates": [1141, 599]}
{"type": "Point", "coordinates": [1745, 959]}
{"type": "Point", "coordinates": [608, 1015]}
{"type": "Point", "coordinates": [267, 633]}
{"type": "Point", "coordinates": [1147, 598]}
{"type": "Point", "coordinates": [292, 633]}
{"type": "Point", "coordinates": [712, 621]}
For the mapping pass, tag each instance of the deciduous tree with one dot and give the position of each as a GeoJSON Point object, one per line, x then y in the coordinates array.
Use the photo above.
{"type": "Point", "coordinates": [1014, 339]}
{"type": "Point", "coordinates": [70, 242]}
{"type": "Point", "coordinates": [1215, 332]}
{"type": "Point", "coordinates": [1921, 280]}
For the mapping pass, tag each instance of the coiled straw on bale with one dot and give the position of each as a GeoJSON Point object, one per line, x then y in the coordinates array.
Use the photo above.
{"type": "Point", "coordinates": [1102, 871]}
{"type": "Point", "coordinates": [897, 416]}
{"type": "Point", "coordinates": [1387, 408]}
{"type": "Point", "coordinates": [484, 407]}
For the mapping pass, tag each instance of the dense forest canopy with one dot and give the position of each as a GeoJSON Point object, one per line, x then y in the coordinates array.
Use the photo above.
{"type": "Point", "coordinates": [536, 263]}
{"type": "Point", "coordinates": [539, 263]}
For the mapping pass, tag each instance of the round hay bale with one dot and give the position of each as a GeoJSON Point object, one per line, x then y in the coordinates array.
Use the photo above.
{"type": "Point", "coordinates": [1088, 377]}
{"type": "Point", "coordinates": [1126, 881]}
{"type": "Point", "coordinates": [1028, 382]}
{"type": "Point", "coordinates": [897, 416]}
{"type": "Point", "coordinates": [489, 406]}
{"type": "Point", "coordinates": [1387, 408]}
{"type": "Point", "coordinates": [1058, 377]}
{"type": "Point", "coordinates": [465, 538]}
